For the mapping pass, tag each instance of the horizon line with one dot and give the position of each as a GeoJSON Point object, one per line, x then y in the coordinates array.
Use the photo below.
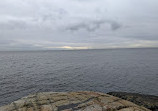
{"type": "Point", "coordinates": [79, 49]}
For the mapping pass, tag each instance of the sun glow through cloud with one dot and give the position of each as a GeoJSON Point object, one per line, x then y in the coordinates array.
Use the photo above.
{"type": "Point", "coordinates": [68, 48]}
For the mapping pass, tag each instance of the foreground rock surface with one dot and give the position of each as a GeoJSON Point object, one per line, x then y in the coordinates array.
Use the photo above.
{"type": "Point", "coordinates": [148, 101]}
{"type": "Point", "coordinates": [72, 101]}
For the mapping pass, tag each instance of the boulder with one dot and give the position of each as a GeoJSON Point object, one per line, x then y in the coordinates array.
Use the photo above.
{"type": "Point", "coordinates": [148, 101]}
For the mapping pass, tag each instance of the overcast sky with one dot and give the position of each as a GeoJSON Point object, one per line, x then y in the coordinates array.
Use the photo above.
{"type": "Point", "coordinates": [78, 24]}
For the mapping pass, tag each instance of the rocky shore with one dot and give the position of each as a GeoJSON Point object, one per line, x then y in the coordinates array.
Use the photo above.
{"type": "Point", "coordinates": [72, 101]}
{"type": "Point", "coordinates": [148, 101]}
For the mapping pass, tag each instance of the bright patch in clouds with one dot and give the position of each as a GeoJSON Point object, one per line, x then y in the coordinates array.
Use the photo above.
{"type": "Point", "coordinates": [68, 48]}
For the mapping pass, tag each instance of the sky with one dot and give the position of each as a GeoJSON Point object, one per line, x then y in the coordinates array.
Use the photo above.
{"type": "Point", "coordinates": [78, 24]}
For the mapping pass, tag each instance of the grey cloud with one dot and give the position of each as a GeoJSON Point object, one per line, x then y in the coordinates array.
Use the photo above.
{"type": "Point", "coordinates": [95, 25]}
{"type": "Point", "coordinates": [16, 45]}
{"type": "Point", "coordinates": [13, 24]}
{"type": "Point", "coordinates": [5, 42]}
{"type": "Point", "coordinates": [115, 25]}
{"type": "Point", "coordinates": [53, 15]}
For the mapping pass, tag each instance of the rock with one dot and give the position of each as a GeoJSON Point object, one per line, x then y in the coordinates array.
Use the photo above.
{"type": "Point", "coordinates": [72, 101]}
{"type": "Point", "coordinates": [148, 101]}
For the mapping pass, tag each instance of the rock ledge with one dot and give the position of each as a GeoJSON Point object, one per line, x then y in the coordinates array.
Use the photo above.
{"type": "Point", "coordinates": [72, 101]}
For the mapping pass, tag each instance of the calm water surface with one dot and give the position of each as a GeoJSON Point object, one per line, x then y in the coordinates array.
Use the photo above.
{"type": "Point", "coordinates": [130, 70]}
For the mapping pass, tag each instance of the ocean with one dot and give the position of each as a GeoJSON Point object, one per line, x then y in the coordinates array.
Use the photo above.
{"type": "Point", "coordinates": [104, 70]}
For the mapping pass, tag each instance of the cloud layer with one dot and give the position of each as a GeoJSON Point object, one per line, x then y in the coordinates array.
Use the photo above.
{"type": "Point", "coordinates": [77, 24]}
